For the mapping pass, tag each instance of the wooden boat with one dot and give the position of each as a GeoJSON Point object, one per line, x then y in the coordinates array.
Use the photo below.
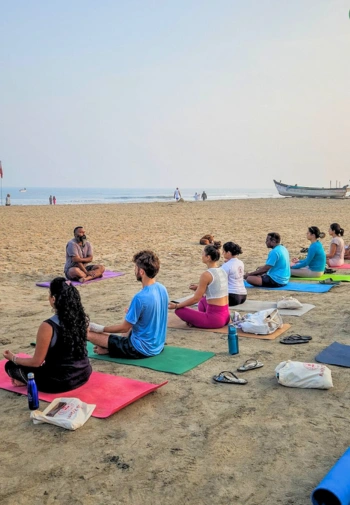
{"type": "Point", "coordinates": [307, 192]}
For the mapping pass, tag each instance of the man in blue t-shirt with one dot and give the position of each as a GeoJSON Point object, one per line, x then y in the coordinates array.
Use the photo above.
{"type": "Point", "coordinates": [145, 323]}
{"type": "Point", "coordinates": [276, 272]}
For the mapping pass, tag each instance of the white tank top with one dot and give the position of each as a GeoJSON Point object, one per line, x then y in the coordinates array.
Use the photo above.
{"type": "Point", "coordinates": [218, 287]}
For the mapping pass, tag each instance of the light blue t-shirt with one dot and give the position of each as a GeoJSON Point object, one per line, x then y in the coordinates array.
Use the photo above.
{"type": "Point", "coordinates": [315, 259]}
{"type": "Point", "coordinates": [278, 260]}
{"type": "Point", "coordinates": [148, 314]}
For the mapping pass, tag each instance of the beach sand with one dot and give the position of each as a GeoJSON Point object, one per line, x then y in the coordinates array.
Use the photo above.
{"type": "Point", "coordinates": [192, 441]}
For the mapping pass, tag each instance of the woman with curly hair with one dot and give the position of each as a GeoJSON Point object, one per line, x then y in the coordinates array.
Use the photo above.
{"type": "Point", "coordinates": [60, 361]}
{"type": "Point", "coordinates": [234, 268]}
{"type": "Point", "coordinates": [211, 292]}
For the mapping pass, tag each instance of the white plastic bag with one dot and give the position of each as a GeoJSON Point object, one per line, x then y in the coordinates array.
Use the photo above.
{"type": "Point", "coordinates": [289, 302]}
{"type": "Point", "coordinates": [295, 374]}
{"type": "Point", "coordinates": [69, 413]}
{"type": "Point", "coordinates": [263, 322]}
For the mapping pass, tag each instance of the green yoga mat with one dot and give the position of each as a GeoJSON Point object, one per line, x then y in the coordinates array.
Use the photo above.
{"type": "Point", "coordinates": [176, 360]}
{"type": "Point", "coordinates": [334, 277]}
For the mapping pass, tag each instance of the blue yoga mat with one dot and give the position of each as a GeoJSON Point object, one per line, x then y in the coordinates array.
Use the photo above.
{"type": "Point", "coordinates": [335, 354]}
{"type": "Point", "coordinates": [297, 286]}
{"type": "Point", "coordinates": [334, 489]}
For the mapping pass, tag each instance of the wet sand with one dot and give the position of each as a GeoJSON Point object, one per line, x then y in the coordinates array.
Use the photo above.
{"type": "Point", "coordinates": [192, 441]}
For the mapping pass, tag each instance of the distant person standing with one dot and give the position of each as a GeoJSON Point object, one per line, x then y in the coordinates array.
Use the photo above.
{"type": "Point", "coordinates": [196, 196]}
{"type": "Point", "coordinates": [50, 199]}
{"type": "Point", "coordinates": [8, 200]}
{"type": "Point", "coordinates": [177, 194]}
{"type": "Point", "coordinates": [204, 196]}
{"type": "Point", "coordinates": [54, 200]}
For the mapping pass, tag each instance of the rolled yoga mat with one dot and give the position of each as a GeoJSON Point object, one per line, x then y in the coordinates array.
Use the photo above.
{"type": "Point", "coordinates": [334, 489]}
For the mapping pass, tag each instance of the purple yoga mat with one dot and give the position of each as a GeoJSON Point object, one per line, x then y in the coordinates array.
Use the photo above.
{"type": "Point", "coordinates": [108, 274]}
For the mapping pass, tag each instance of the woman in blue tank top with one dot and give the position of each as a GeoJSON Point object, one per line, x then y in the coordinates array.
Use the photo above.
{"type": "Point", "coordinates": [314, 264]}
{"type": "Point", "coordinates": [60, 361]}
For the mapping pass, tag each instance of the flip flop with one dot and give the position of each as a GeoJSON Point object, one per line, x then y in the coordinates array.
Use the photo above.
{"type": "Point", "coordinates": [250, 364]}
{"type": "Point", "coordinates": [227, 377]}
{"type": "Point", "coordinates": [296, 339]}
{"type": "Point", "coordinates": [304, 249]}
{"type": "Point", "coordinates": [330, 281]}
{"type": "Point", "coordinates": [329, 271]}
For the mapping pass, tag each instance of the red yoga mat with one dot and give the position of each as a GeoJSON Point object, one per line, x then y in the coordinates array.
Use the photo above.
{"type": "Point", "coordinates": [109, 393]}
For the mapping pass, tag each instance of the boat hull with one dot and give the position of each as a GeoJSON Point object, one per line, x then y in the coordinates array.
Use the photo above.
{"type": "Point", "coordinates": [309, 192]}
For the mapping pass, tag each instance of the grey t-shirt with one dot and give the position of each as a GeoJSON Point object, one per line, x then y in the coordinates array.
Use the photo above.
{"type": "Point", "coordinates": [75, 249]}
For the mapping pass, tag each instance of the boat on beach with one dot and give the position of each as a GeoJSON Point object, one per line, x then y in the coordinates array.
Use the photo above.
{"type": "Point", "coordinates": [309, 192]}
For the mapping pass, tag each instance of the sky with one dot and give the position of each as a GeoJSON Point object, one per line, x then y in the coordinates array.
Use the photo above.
{"type": "Point", "coordinates": [166, 93]}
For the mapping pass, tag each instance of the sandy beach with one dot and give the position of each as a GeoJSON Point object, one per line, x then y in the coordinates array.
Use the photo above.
{"type": "Point", "coordinates": [192, 441]}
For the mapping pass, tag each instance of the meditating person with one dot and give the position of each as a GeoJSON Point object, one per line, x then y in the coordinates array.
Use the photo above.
{"type": "Point", "coordinates": [335, 257]}
{"type": "Point", "coordinates": [78, 255]}
{"type": "Point", "coordinates": [314, 263]}
{"type": "Point", "coordinates": [145, 324]}
{"type": "Point", "coordinates": [60, 361]}
{"type": "Point", "coordinates": [276, 272]}
{"type": "Point", "coordinates": [211, 293]}
{"type": "Point", "coordinates": [234, 268]}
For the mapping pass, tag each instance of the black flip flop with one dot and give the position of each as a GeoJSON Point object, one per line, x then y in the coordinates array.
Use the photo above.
{"type": "Point", "coordinates": [295, 339]}
{"type": "Point", "coordinates": [227, 377]}
{"type": "Point", "coordinates": [330, 281]}
{"type": "Point", "coordinates": [329, 271]}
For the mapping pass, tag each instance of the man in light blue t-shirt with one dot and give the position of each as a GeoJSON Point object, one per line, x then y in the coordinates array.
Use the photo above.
{"type": "Point", "coordinates": [145, 323]}
{"type": "Point", "coordinates": [276, 272]}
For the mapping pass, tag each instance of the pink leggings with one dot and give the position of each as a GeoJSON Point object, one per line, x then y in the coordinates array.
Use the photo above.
{"type": "Point", "coordinates": [207, 316]}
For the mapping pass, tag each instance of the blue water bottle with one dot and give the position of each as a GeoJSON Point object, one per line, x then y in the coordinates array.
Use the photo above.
{"type": "Point", "coordinates": [232, 339]}
{"type": "Point", "coordinates": [33, 399]}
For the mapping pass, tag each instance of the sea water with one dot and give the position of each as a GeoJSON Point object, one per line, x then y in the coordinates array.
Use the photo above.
{"type": "Point", "coordinates": [40, 196]}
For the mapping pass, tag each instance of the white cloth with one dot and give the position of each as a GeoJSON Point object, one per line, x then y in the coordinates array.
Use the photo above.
{"type": "Point", "coordinates": [218, 286]}
{"type": "Point", "coordinates": [235, 272]}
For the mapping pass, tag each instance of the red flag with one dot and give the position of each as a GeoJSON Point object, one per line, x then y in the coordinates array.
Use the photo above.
{"type": "Point", "coordinates": [1, 172]}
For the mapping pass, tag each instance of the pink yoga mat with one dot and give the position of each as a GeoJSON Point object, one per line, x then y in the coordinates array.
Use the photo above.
{"type": "Point", "coordinates": [109, 393]}
{"type": "Point", "coordinates": [346, 265]}
{"type": "Point", "coordinates": [108, 274]}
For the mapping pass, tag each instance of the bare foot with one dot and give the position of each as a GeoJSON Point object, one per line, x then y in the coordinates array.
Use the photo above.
{"type": "Point", "coordinates": [85, 279]}
{"type": "Point", "coordinates": [17, 383]}
{"type": "Point", "coordinates": [100, 350]}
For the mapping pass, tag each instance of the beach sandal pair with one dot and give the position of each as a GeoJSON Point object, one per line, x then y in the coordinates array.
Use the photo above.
{"type": "Point", "coordinates": [295, 339]}
{"type": "Point", "coordinates": [227, 377]}
{"type": "Point", "coordinates": [330, 281]}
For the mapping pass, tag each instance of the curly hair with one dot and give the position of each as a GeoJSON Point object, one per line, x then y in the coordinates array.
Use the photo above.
{"type": "Point", "coordinates": [148, 261]}
{"type": "Point", "coordinates": [233, 248]}
{"type": "Point", "coordinates": [70, 311]}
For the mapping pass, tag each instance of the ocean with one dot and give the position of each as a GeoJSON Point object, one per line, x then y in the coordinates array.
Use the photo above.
{"type": "Point", "coordinates": [40, 196]}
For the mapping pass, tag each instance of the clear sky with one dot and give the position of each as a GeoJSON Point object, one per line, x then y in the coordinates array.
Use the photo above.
{"type": "Point", "coordinates": [165, 93]}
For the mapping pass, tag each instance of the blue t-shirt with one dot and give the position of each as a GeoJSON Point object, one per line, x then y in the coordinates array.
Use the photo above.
{"type": "Point", "coordinates": [278, 260]}
{"type": "Point", "coordinates": [148, 314]}
{"type": "Point", "coordinates": [315, 259]}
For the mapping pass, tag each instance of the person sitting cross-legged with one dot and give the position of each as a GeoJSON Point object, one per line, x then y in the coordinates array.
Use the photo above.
{"type": "Point", "coordinates": [145, 324]}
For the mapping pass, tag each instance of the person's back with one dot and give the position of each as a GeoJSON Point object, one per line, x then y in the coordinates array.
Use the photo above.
{"type": "Point", "coordinates": [235, 272]}
{"type": "Point", "coordinates": [316, 258]}
{"type": "Point", "coordinates": [148, 314]}
{"type": "Point", "coordinates": [278, 260]}
{"type": "Point", "coordinates": [338, 257]}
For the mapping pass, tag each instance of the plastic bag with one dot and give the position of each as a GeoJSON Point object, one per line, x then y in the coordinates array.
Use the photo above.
{"type": "Point", "coordinates": [263, 322]}
{"type": "Point", "coordinates": [289, 302]}
{"type": "Point", "coordinates": [69, 413]}
{"type": "Point", "coordinates": [295, 374]}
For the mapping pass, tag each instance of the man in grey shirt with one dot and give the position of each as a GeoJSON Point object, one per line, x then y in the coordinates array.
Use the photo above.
{"type": "Point", "coordinates": [78, 255]}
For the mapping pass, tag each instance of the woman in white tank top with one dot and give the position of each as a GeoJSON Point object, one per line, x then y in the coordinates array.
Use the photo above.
{"type": "Point", "coordinates": [211, 293]}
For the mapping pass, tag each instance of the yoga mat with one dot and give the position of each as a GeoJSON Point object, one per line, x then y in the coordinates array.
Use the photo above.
{"type": "Point", "coordinates": [256, 305]}
{"type": "Point", "coordinates": [334, 277]}
{"type": "Point", "coordinates": [176, 323]}
{"type": "Point", "coordinates": [335, 354]}
{"type": "Point", "coordinates": [297, 286]}
{"type": "Point", "coordinates": [345, 266]}
{"type": "Point", "coordinates": [109, 393]}
{"type": "Point", "coordinates": [176, 360]}
{"type": "Point", "coordinates": [108, 274]}
{"type": "Point", "coordinates": [334, 489]}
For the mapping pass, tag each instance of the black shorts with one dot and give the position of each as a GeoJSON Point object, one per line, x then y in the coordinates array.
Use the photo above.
{"type": "Point", "coordinates": [121, 347]}
{"type": "Point", "coordinates": [234, 299]}
{"type": "Point", "coordinates": [267, 282]}
{"type": "Point", "coordinates": [88, 269]}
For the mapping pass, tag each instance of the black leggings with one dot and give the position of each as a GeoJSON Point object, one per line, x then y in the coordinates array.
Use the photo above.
{"type": "Point", "coordinates": [236, 299]}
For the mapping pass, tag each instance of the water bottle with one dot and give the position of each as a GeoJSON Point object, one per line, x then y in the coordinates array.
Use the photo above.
{"type": "Point", "coordinates": [33, 399]}
{"type": "Point", "coordinates": [232, 340]}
